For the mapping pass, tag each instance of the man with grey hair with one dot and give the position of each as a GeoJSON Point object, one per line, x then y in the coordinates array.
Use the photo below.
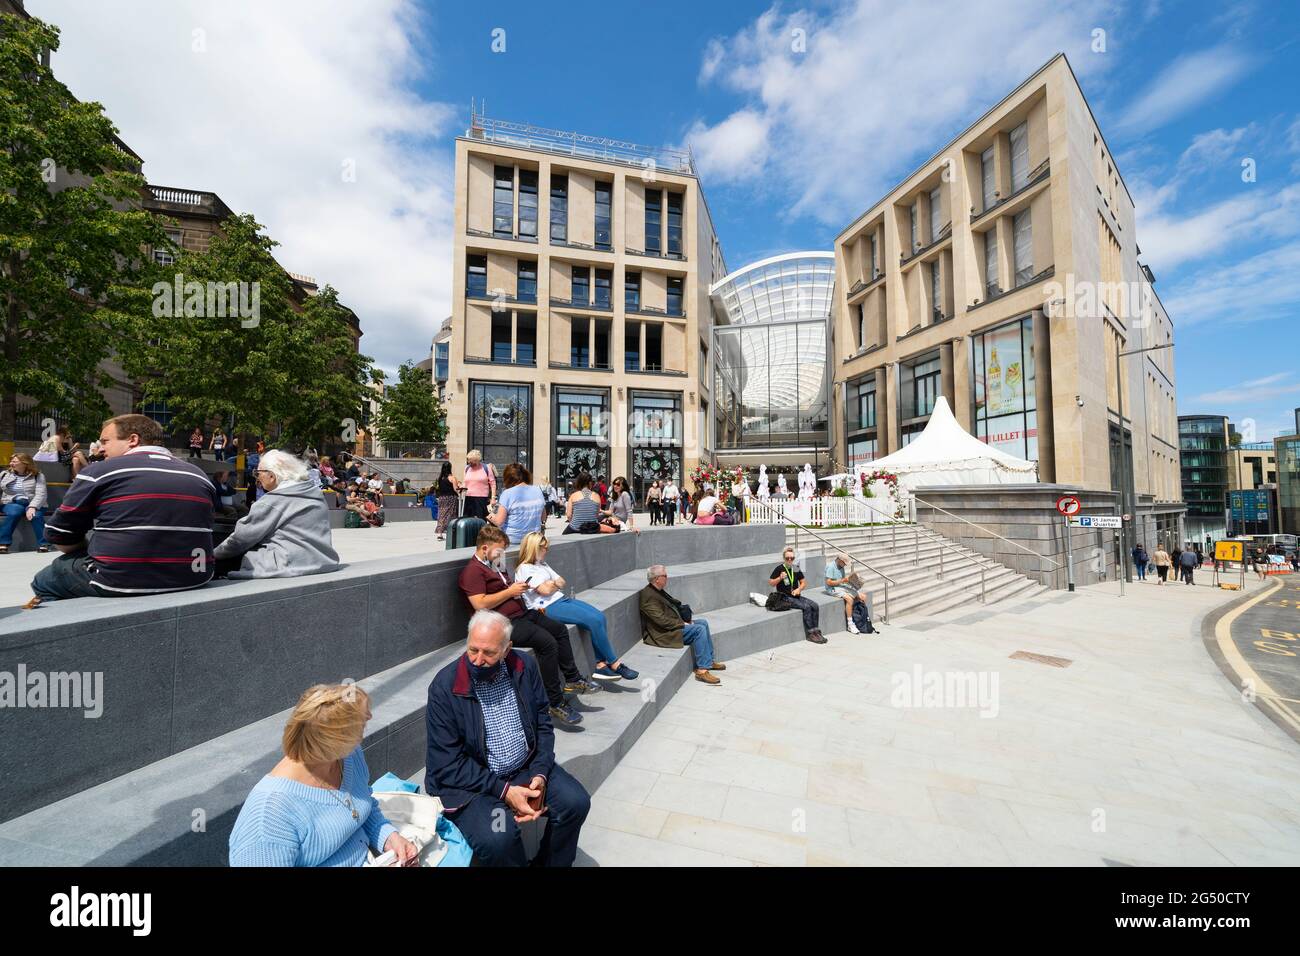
{"type": "Point", "coordinates": [667, 622]}
{"type": "Point", "coordinates": [491, 751]}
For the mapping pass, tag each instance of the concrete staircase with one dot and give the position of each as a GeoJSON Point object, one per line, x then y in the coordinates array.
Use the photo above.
{"type": "Point", "coordinates": [911, 556]}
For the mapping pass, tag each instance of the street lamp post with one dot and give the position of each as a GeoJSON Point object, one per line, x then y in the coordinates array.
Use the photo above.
{"type": "Point", "coordinates": [1128, 493]}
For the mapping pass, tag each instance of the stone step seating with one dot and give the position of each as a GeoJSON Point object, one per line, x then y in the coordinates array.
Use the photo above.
{"type": "Point", "coordinates": [148, 815]}
{"type": "Point", "coordinates": [918, 588]}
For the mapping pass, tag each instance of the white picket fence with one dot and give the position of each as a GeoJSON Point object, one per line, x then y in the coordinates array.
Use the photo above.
{"type": "Point", "coordinates": [822, 512]}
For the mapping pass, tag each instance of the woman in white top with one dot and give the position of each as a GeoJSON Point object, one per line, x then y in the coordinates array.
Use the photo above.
{"type": "Point", "coordinates": [546, 594]}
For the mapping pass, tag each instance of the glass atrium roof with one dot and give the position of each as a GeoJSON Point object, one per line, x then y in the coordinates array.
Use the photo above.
{"type": "Point", "coordinates": [781, 289]}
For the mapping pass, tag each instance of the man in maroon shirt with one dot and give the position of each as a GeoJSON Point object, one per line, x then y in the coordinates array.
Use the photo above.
{"type": "Point", "coordinates": [488, 585]}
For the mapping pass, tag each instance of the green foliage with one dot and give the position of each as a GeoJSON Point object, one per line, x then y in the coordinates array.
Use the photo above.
{"type": "Point", "coordinates": [71, 235]}
{"type": "Point", "coordinates": [231, 346]}
{"type": "Point", "coordinates": [410, 410]}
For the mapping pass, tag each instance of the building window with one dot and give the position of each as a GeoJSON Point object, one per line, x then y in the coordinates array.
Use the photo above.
{"type": "Point", "coordinates": [579, 343]}
{"type": "Point", "coordinates": [501, 337]}
{"type": "Point", "coordinates": [936, 290]}
{"type": "Point", "coordinates": [991, 287]}
{"type": "Point", "coordinates": [526, 285]}
{"type": "Point", "coordinates": [674, 224]}
{"type": "Point", "coordinates": [632, 346]}
{"type": "Point", "coordinates": [1020, 157]}
{"type": "Point", "coordinates": [631, 291]}
{"type": "Point", "coordinates": [528, 203]}
{"type": "Point", "coordinates": [936, 214]}
{"type": "Point", "coordinates": [525, 338]}
{"type": "Point", "coordinates": [653, 220]}
{"type": "Point", "coordinates": [503, 201]}
{"type": "Point", "coordinates": [655, 440]}
{"type": "Point", "coordinates": [580, 418]}
{"type": "Point", "coordinates": [581, 286]}
{"type": "Point", "coordinates": [501, 422]}
{"type": "Point", "coordinates": [441, 361]}
{"type": "Point", "coordinates": [604, 202]}
{"type": "Point", "coordinates": [862, 451]}
{"type": "Point", "coordinates": [604, 280]}
{"type": "Point", "coordinates": [862, 325]}
{"type": "Point", "coordinates": [476, 276]}
{"type": "Point", "coordinates": [675, 296]}
{"type": "Point", "coordinates": [988, 179]}
{"type": "Point", "coordinates": [1004, 397]}
{"type": "Point", "coordinates": [860, 405]}
{"type": "Point", "coordinates": [559, 207]}
{"type": "Point", "coordinates": [602, 358]}
{"type": "Point", "coordinates": [916, 236]}
{"type": "Point", "coordinates": [920, 388]}
{"type": "Point", "coordinates": [875, 256]}
{"type": "Point", "coordinates": [654, 347]}
{"type": "Point", "coordinates": [1023, 236]}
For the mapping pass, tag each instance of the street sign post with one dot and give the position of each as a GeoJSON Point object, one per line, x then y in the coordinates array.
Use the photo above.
{"type": "Point", "coordinates": [1068, 505]}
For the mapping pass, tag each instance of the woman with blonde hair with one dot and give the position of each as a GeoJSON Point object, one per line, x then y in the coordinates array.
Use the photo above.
{"type": "Point", "coordinates": [546, 594]}
{"type": "Point", "coordinates": [480, 486]}
{"type": "Point", "coordinates": [315, 807]}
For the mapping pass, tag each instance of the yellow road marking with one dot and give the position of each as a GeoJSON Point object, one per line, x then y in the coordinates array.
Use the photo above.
{"type": "Point", "coordinates": [1263, 692]}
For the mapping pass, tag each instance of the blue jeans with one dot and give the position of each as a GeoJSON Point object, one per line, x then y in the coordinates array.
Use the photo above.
{"type": "Point", "coordinates": [490, 829]}
{"type": "Point", "coordinates": [67, 576]}
{"type": "Point", "coordinates": [1142, 570]}
{"type": "Point", "coordinates": [583, 615]}
{"type": "Point", "coordinates": [13, 513]}
{"type": "Point", "coordinates": [696, 636]}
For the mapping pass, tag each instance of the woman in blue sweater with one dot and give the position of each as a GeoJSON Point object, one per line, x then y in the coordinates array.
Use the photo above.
{"type": "Point", "coordinates": [315, 807]}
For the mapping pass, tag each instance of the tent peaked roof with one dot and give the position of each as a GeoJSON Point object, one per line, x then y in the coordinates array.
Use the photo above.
{"type": "Point", "coordinates": [946, 447]}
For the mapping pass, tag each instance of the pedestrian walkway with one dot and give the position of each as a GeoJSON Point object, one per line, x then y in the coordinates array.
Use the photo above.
{"type": "Point", "coordinates": [1138, 752]}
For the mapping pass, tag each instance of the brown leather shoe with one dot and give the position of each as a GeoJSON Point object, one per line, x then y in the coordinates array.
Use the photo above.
{"type": "Point", "coordinates": [717, 666]}
{"type": "Point", "coordinates": [705, 677]}
{"type": "Point", "coordinates": [815, 637]}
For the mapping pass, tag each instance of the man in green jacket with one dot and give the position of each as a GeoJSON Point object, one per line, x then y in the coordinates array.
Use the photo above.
{"type": "Point", "coordinates": [662, 625]}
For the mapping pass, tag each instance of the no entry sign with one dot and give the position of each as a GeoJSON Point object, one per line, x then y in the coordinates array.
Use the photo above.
{"type": "Point", "coordinates": [1068, 505]}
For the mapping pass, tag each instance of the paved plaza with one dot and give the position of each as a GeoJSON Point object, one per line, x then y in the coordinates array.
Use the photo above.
{"type": "Point", "coordinates": [1139, 752]}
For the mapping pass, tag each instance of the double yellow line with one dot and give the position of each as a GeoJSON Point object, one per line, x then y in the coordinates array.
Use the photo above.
{"type": "Point", "coordinates": [1264, 694]}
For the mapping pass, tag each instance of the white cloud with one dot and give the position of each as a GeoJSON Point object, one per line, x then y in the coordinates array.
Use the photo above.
{"type": "Point", "coordinates": [1169, 240]}
{"type": "Point", "coordinates": [267, 114]}
{"type": "Point", "coordinates": [1256, 391]}
{"type": "Point", "coordinates": [1188, 81]}
{"type": "Point", "coordinates": [1258, 289]}
{"type": "Point", "coordinates": [842, 120]}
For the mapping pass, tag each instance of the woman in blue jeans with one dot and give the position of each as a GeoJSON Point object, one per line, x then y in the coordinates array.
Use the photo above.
{"type": "Point", "coordinates": [546, 594]}
{"type": "Point", "coordinates": [23, 494]}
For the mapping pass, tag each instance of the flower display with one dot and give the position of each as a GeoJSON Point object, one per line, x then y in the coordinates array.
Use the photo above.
{"type": "Point", "coordinates": [719, 477]}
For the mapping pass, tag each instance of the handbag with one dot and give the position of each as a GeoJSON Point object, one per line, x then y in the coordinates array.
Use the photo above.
{"type": "Point", "coordinates": [776, 601]}
{"type": "Point", "coordinates": [419, 818]}
{"type": "Point", "coordinates": [685, 611]}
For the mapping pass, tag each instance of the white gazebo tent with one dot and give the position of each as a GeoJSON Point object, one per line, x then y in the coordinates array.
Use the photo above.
{"type": "Point", "coordinates": [947, 454]}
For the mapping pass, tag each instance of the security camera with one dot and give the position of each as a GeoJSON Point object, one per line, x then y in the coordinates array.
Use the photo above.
{"type": "Point", "coordinates": [1078, 400]}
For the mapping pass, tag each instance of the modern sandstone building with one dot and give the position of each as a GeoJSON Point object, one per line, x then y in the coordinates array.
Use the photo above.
{"type": "Point", "coordinates": [1004, 275]}
{"type": "Point", "coordinates": [580, 308]}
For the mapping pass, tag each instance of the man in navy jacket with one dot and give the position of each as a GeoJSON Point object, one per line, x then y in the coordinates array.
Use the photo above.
{"type": "Point", "coordinates": [491, 752]}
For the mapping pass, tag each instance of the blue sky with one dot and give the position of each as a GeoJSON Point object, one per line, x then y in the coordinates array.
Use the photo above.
{"type": "Point", "coordinates": [263, 102]}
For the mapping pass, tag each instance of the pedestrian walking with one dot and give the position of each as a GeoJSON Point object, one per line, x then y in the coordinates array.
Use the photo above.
{"type": "Point", "coordinates": [1140, 561]}
{"type": "Point", "coordinates": [1163, 564]}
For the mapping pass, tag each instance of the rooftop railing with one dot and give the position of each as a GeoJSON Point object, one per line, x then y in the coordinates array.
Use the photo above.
{"type": "Point", "coordinates": [580, 145]}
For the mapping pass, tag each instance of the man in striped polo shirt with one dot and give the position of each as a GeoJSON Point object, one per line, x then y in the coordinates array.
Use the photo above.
{"type": "Point", "coordinates": [149, 514]}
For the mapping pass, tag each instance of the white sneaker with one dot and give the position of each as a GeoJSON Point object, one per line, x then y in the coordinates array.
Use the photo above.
{"type": "Point", "coordinates": [757, 599]}
{"type": "Point", "coordinates": [853, 628]}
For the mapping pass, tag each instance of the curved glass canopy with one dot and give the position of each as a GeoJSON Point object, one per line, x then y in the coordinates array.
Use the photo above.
{"type": "Point", "coordinates": [770, 352]}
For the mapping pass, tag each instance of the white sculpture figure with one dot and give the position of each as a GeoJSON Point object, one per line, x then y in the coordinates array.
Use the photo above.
{"type": "Point", "coordinates": [807, 482]}
{"type": "Point", "coordinates": [763, 492]}
{"type": "Point", "coordinates": [781, 490]}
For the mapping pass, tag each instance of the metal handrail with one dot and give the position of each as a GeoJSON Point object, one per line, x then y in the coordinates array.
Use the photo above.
{"type": "Point", "coordinates": [884, 614]}
{"type": "Point", "coordinates": [368, 463]}
{"type": "Point", "coordinates": [1041, 557]}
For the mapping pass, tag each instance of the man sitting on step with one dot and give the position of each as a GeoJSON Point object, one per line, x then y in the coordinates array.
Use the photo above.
{"type": "Point", "coordinates": [491, 752]}
{"type": "Point", "coordinates": [666, 622]}
{"type": "Point", "coordinates": [843, 581]}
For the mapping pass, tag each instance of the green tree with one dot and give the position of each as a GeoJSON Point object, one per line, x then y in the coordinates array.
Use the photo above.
{"type": "Point", "coordinates": [410, 410]}
{"type": "Point", "coordinates": [223, 340]}
{"type": "Point", "coordinates": [71, 235]}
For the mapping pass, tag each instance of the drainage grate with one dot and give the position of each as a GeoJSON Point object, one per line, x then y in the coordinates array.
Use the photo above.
{"type": "Point", "coordinates": [1041, 659]}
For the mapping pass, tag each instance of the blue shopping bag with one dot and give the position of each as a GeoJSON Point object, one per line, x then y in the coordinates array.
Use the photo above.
{"type": "Point", "coordinates": [458, 850]}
